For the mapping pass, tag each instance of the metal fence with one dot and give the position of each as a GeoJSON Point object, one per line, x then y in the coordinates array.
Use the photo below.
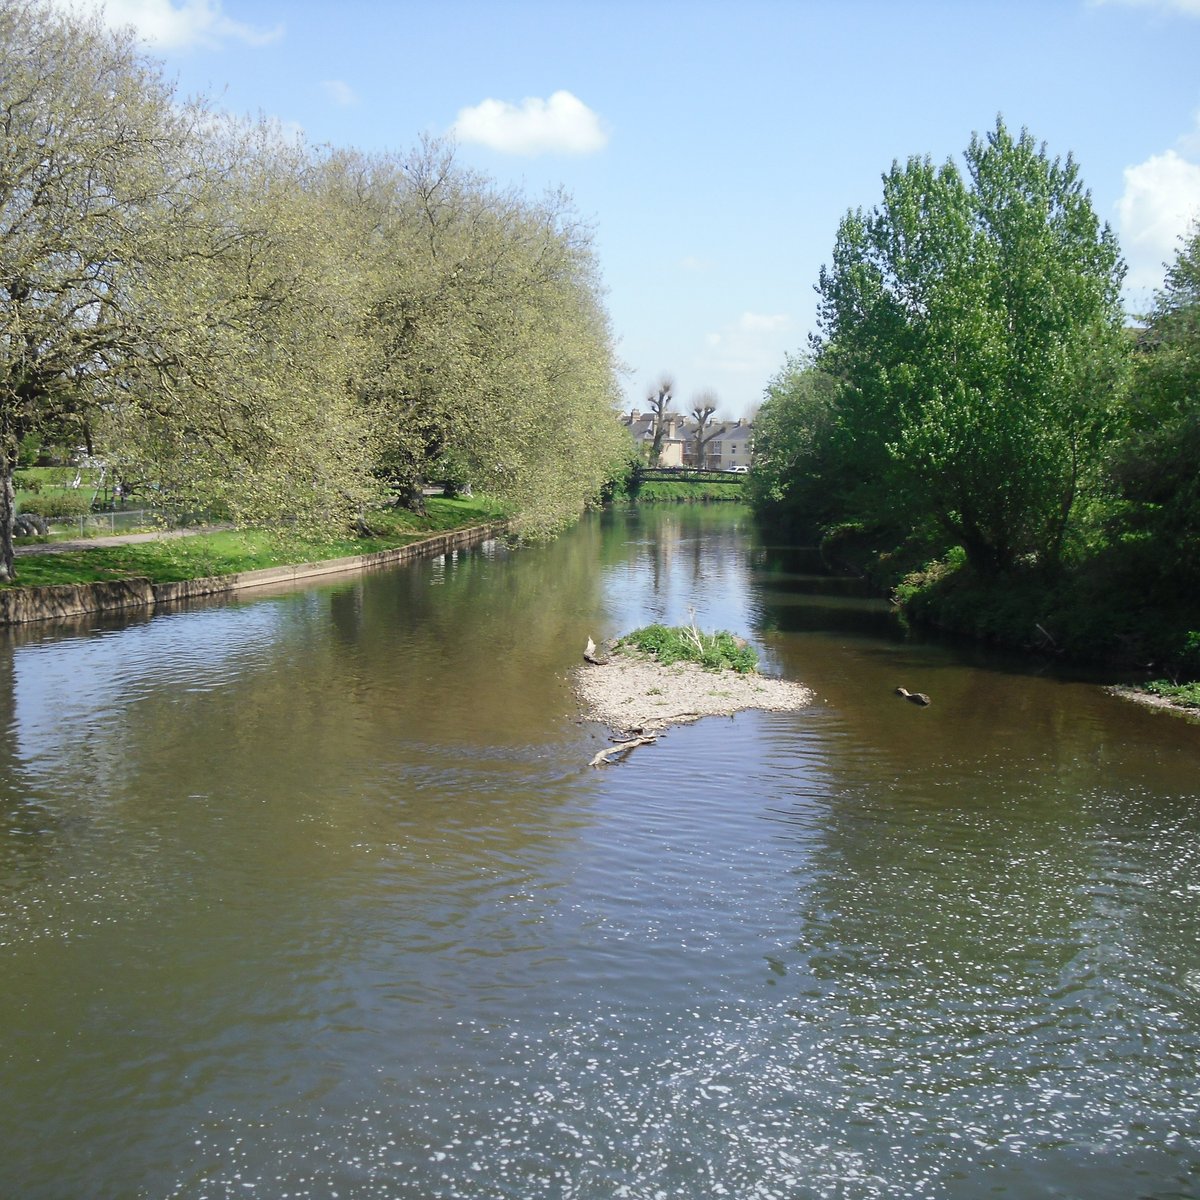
{"type": "Point", "coordinates": [99, 524]}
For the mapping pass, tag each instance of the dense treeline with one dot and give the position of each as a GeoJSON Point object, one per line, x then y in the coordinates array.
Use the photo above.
{"type": "Point", "coordinates": [256, 327]}
{"type": "Point", "coordinates": [977, 427]}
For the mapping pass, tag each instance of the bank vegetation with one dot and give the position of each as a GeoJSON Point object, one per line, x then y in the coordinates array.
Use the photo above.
{"type": "Point", "coordinates": [272, 333]}
{"type": "Point", "coordinates": [978, 427]}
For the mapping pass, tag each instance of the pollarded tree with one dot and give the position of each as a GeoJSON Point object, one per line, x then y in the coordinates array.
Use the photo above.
{"type": "Point", "coordinates": [976, 323]}
{"type": "Point", "coordinates": [659, 399]}
{"type": "Point", "coordinates": [703, 408]}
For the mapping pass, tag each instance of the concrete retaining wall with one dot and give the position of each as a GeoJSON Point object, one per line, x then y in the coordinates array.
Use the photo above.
{"type": "Point", "coordinates": [19, 605]}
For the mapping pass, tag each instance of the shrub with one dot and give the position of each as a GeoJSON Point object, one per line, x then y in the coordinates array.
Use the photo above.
{"type": "Point", "coordinates": [52, 506]}
{"type": "Point", "coordinates": [720, 651]}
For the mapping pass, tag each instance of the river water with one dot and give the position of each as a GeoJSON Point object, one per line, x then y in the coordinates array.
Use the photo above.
{"type": "Point", "coordinates": [313, 895]}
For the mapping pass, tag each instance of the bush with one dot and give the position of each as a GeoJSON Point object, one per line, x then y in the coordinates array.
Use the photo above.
{"type": "Point", "coordinates": [55, 506]}
{"type": "Point", "coordinates": [714, 651]}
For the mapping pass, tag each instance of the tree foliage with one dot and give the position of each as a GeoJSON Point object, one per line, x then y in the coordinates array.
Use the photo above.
{"type": "Point", "coordinates": [1157, 465]}
{"type": "Point", "coordinates": [271, 331]}
{"type": "Point", "coordinates": [95, 191]}
{"type": "Point", "coordinates": [973, 321]}
{"type": "Point", "coordinates": [794, 480]}
{"type": "Point", "coordinates": [488, 342]}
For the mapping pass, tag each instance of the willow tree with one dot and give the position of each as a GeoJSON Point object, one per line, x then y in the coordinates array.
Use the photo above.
{"type": "Point", "coordinates": [89, 176]}
{"type": "Point", "coordinates": [489, 351]}
{"type": "Point", "coordinates": [975, 322]}
{"type": "Point", "coordinates": [169, 280]}
{"type": "Point", "coordinates": [251, 407]}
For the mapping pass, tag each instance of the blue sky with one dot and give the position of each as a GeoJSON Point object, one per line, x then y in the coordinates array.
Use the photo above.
{"type": "Point", "coordinates": [714, 147]}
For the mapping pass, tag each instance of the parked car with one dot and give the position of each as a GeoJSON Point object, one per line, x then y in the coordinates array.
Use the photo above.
{"type": "Point", "coordinates": [739, 469]}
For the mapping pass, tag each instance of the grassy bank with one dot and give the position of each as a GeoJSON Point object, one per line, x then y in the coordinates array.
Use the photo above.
{"type": "Point", "coordinates": [232, 551]}
{"type": "Point", "coordinates": [661, 491]}
{"type": "Point", "coordinates": [682, 487]}
{"type": "Point", "coordinates": [1100, 613]}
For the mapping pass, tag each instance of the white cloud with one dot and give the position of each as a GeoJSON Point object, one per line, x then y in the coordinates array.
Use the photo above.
{"type": "Point", "coordinates": [172, 25]}
{"type": "Point", "coordinates": [752, 345]}
{"type": "Point", "coordinates": [339, 92]}
{"type": "Point", "coordinates": [1161, 199]}
{"type": "Point", "coordinates": [561, 125]}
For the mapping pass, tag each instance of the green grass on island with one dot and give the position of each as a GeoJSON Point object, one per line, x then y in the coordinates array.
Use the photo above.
{"type": "Point", "coordinates": [720, 651]}
{"type": "Point", "coordinates": [232, 551]}
{"type": "Point", "coordinates": [1185, 695]}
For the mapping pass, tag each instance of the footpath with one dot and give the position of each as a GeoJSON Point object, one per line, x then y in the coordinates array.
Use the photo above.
{"type": "Point", "coordinates": [113, 539]}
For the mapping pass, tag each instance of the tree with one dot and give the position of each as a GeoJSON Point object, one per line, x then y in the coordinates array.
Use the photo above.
{"type": "Point", "coordinates": [659, 400]}
{"type": "Point", "coordinates": [1157, 465]}
{"type": "Point", "coordinates": [487, 341]}
{"type": "Point", "coordinates": [795, 477]}
{"type": "Point", "coordinates": [276, 333]}
{"type": "Point", "coordinates": [251, 409]}
{"type": "Point", "coordinates": [90, 193]}
{"type": "Point", "coordinates": [161, 286]}
{"type": "Point", "coordinates": [703, 407]}
{"type": "Point", "coordinates": [975, 323]}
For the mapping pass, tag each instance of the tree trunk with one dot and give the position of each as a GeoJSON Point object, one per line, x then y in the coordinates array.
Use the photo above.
{"type": "Point", "coordinates": [412, 497]}
{"type": "Point", "coordinates": [8, 510]}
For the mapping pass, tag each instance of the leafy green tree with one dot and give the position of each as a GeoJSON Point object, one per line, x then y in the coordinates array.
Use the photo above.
{"type": "Point", "coordinates": [276, 333]}
{"type": "Point", "coordinates": [169, 286]}
{"type": "Point", "coordinates": [975, 323]}
{"type": "Point", "coordinates": [1157, 467]}
{"type": "Point", "coordinates": [795, 478]}
{"type": "Point", "coordinates": [254, 410]}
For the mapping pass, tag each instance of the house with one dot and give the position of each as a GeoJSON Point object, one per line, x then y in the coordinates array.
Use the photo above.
{"type": "Point", "coordinates": [727, 443]}
{"type": "Point", "coordinates": [675, 432]}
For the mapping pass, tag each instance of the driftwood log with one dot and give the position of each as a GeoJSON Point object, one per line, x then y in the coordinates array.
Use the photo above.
{"type": "Point", "coordinates": [604, 757]}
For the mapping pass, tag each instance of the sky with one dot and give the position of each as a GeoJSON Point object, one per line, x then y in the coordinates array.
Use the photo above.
{"type": "Point", "coordinates": [714, 147]}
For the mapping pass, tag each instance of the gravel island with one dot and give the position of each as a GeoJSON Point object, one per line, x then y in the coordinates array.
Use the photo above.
{"type": "Point", "coordinates": [630, 694]}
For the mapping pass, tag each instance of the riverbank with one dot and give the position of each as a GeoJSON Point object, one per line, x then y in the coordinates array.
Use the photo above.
{"type": "Point", "coordinates": [106, 577]}
{"type": "Point", "coordinates": [1152, 699]}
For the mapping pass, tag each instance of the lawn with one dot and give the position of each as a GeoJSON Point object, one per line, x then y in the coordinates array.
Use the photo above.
{"type": "Point", "coordinates": [232, 551]}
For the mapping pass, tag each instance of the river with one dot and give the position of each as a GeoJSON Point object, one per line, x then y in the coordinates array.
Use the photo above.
{"type": "Point", "coordinates": [314, 895]}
